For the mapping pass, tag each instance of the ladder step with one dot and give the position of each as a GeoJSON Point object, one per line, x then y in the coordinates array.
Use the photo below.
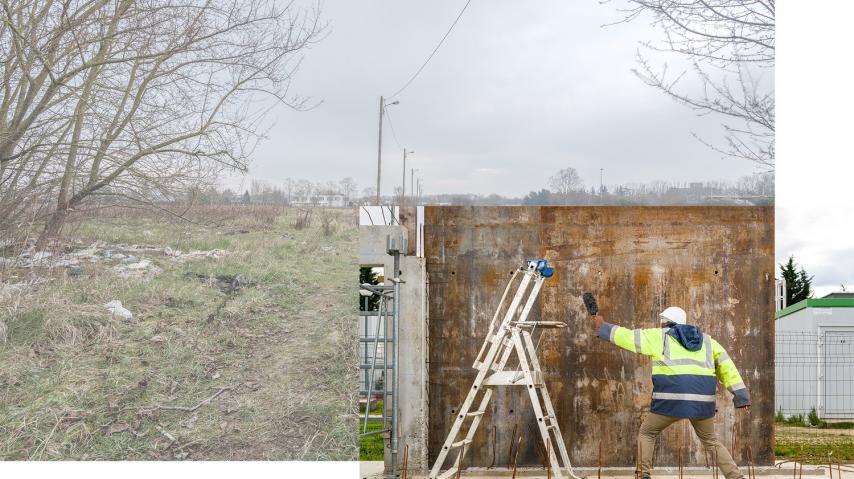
{"type": "Point", "coordinates": [460, 443]}
{"type": "Point", "coordinates": [450, 472]}
{"type": "Point", "coordinates": [475, 413]}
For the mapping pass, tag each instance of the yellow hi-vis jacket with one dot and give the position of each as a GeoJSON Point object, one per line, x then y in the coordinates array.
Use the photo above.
{"type": "Point", "coordinates": [686, 366]}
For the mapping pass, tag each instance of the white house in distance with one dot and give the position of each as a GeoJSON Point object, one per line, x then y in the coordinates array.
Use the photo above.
{"type": "Point", "coordinates": [329, 201]}
{"type": "Point", "coordinates": [815, 358]}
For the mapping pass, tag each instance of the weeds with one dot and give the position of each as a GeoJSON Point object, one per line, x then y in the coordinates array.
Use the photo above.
{"type": "Point", "coordinates": [327, 221]}
{"type": "Point", "coordinates": [77, 383]}
{"type": "Point", "coordinates": [811, 420]}
{"type": "Point", "coordinates": [303, 219]}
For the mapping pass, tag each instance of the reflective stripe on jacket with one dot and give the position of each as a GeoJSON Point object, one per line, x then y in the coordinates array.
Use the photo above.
{"type": "Point", "coordinates": [683, 381]}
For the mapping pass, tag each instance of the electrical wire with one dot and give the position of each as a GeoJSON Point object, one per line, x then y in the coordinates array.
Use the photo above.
{"type": "Point", "coordinates": [432, 53]}
{"type": "Point", "coordinates": [391, 125]}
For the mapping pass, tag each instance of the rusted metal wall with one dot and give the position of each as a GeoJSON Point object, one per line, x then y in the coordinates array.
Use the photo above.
{"type": "Point", "coordinates": [716, 262]}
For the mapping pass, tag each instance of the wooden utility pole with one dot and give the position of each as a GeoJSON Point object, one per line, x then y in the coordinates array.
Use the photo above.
{"type": "Point", "coordinates": [380, 150]}
{"type": "Point", "coordinates": [403, 187]}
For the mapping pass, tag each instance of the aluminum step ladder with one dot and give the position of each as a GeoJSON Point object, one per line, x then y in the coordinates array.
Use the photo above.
{"type": "Point", "coordinates": [512, 334]}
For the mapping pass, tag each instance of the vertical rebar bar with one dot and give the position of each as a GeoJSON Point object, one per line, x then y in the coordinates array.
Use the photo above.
{"type": "Point", "coordinates": [494, 439]}
{"type": "Point", "coordinates": [838, 463]}
{"type": "Point", "coordinates": [750, 473]}
{"type": "Point", "coordinates": [716, 464]}
{"type": "Point", "coordinates": [516, 457]}
{"type": "Point", "coordinates": [510, 451]}
{"type": "Point", "coordinates": [405, 460]}
{"type": "Point", "coordinates": [548, 459]}
{"type": "Point", "coordinates": [599, 469]}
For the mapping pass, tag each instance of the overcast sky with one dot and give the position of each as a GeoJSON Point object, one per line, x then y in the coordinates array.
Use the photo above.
{"type": "Point", "coordinates": [518, 91]}
{"type": "Point", "coordinates": [522, 89]}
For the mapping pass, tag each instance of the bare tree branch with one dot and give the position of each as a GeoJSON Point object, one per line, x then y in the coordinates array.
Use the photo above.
{"type": "Point", "coordinates": [135, 98]}
{"type": "Point", "coordinates": [730, 46]}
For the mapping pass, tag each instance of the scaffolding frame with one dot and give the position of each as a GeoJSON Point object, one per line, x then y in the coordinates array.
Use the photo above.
{"type": "Point", "coordinates": [388, 321]}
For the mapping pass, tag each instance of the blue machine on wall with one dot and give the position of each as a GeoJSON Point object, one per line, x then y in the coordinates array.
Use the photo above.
{"type": "Point", "coordinates": [542, 266]}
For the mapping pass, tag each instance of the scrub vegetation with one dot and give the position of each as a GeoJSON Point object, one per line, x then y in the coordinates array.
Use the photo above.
{"type": "Point", "coordinates": [242, 351]}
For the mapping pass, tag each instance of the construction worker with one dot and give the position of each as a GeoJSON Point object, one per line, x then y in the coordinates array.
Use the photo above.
{"type": "Point", "coordinates": [686, 365]}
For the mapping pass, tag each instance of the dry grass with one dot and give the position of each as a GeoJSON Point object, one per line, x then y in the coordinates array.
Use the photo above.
{"type": "Point", "coordinates": [270, 367]}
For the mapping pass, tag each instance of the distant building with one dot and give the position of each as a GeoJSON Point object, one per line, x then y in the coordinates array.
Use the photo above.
{"type": "Point", "coordinates": [815, 357]}
{"type": "Point", "coordinates": [329, 201]}
{"type": "Point", "coordinates": [841, 294]}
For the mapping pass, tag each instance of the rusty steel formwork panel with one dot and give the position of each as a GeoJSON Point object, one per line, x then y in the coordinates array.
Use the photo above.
{"type": "Point", "coordinates": [716, 262]}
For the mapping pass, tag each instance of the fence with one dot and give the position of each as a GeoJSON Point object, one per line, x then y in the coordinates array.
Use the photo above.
{"type": "Point", "coordinates": [815, 371]}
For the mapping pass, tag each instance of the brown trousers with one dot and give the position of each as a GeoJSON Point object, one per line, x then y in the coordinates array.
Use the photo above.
{"type": "Point", "coordinates": [652, 426]}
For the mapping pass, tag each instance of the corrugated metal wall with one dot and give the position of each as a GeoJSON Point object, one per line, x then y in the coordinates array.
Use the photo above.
{"type": "Point", "coordinates": [716, 262]}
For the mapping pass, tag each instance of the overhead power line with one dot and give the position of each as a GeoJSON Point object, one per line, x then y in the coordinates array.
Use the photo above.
{"type": "Point", "coordinates": [432, 53]}
{"type": "Point", "coordinates": [390, 124]}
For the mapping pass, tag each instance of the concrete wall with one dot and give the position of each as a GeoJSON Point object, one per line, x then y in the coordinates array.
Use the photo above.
{"type": "Point", "coordinates": [716, 262]}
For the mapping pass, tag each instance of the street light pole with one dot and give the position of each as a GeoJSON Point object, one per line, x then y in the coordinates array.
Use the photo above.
{"type": "Point", "coordinates": [403, 189]}
{"type": "Point", "coordinates": [380, 145]}
{"type": "Point", "coordinates": [380, 150]}
{"type": "Point", "coordinates": [411, 176]}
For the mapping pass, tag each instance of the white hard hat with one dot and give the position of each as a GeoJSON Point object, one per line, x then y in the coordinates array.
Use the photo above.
{"type": "Point", "coordinates": [673, 314]}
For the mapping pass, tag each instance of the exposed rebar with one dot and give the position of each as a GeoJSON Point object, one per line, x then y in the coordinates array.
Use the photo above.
{"type": "Point", "coordinates": [510, 451]}
{"type": "Point", "coordinates": [405, 460]}
{"type": "Point", "coordinates": [516, 457]}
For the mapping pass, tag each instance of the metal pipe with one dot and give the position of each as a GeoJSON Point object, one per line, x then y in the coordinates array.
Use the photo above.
{"type": "Point", "coordinates": [395, 368]}
{"type": "Point", "coordinates": [385, 363]}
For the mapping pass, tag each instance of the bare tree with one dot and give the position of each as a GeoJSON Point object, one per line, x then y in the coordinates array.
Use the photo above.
{"type": "Point", "coordinates": [367, 193]}
{"type": "Point", "coordinates": [304, 188]}
{"type": "Point", "coordinates": [348, 188]}
{"type": "Point", "coordinates": [290, 186]}
{"type": "Point", "coordinates": [729, 45]}
{"type": "Point", "coordinates": [565, 182]}
{"type": "Point", "coordinates": [136, 101]}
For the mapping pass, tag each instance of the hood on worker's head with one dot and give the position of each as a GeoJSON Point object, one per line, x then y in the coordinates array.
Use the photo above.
{"type": "Point", "coordinates": [689, 336]}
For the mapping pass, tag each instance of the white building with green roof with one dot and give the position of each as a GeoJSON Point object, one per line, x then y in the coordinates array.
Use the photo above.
{"type": "Point", "coordinates": [815, 357]}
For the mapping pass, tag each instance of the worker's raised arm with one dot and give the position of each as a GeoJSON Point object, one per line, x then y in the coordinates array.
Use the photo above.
{"type": "Point", "coordinates": [728, 375]}
{"type": "Point", "coordinates": [642, 341]}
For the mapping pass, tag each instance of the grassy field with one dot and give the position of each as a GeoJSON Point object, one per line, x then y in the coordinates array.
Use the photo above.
{"type": "Point", "coordinates": [371, 448]}
{"type": "Point", "coordinates": [812, 445]}
{"type": "Point", "coordinates": [211, 366]}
